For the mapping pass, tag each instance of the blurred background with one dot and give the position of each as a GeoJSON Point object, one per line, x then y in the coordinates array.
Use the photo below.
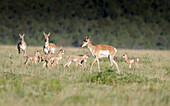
{"type": "Point", "coordinates": [134, 24]}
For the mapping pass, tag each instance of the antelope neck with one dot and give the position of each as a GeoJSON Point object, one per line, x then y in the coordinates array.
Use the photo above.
{"type": "Point", "coordinates": [90, 46]}
{"type": "Point", "coordinates": [126, 58]}
{"type": "Point", "coordinates": [22, 41]}
{"type": "Point", "coordinates": [59, 54]}
{"type": "Point", "coordinates": [47, 42]}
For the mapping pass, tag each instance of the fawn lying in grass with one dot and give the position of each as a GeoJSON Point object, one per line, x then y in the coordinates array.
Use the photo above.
{"type": "Point", "coordinates": [131, 61]}
{"type": "Point", "coordinates": [79, 59]}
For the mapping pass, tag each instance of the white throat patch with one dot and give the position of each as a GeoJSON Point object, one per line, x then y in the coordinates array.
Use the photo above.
{"type": "Point", "coordinates": [23, 47]}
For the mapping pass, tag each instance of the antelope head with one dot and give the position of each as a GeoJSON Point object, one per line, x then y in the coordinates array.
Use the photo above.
{"type": "Point", "coordinates": [21, 36]}
{"type": "Point", "coordinates": [124, 55]}
{"type": "Point", "coordinates": [62, 51]}
{"type": "Point", "coordinates": [37, 53]}
{"type": "Point", "coordinates": [46, 36]}
{"type": "Point", "coordinates": [87, 55]}
{"type": "Point", "coordinates": [85, 42]}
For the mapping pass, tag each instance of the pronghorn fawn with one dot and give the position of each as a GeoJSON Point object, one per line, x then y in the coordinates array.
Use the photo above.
{"type": "Point", "coordinates": [33, 58]}
{"type": "Point", "coordinates": [78, 59]}
{"type": "Point", "coordinates": [22, 45]}
{"type": "Point", "coordinates": [131, 61]}
{"type": "Point", "coordinates": [101, 51]}
{"type": "Point", "coordinates": [48, 47]}
{"type": "Point", "coordinates": [53, 59]}
{"type": "Point", "coordinates": [42, 57]}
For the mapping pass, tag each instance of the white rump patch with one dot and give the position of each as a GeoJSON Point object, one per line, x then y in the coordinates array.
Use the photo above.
{"type": "Point", "coordinates": [115, 50]}
{"type": "Point", "coordinates": [104, 54]}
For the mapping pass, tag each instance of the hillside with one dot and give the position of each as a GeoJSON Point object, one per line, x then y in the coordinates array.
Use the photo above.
{"type": "Point", "coordinates": [142, 24]}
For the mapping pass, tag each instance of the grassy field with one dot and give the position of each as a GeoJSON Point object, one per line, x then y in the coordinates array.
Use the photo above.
{"type": "Point", "coordinates": [33, 85]}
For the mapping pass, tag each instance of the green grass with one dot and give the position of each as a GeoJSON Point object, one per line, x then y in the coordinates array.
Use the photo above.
{"type": "Point", "coordinates": [33, 85]}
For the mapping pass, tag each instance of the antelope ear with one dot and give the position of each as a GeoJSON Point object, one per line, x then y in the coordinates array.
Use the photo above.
{"type": "Point", "coordinates": [23, 34]}
{"type": "Point", "coordinates": [49, 34]}
{"type": "Point", "coordinates": [89, 37]}
{"type": "Point", "coordinates": [44, 33]}
{"type": "Point", "coordinates": [19, 34]}
{"type": "Point", "coordinates": [86, 36]}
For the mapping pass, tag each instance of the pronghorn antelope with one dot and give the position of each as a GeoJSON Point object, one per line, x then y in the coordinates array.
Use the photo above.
{"type": "Point", "coordinates": [22, 45]}
{"type": "Point", "coordinates": [131, 61]}
{"type": "Point", "coordinates": [79, 59]}
{"type": "Point", "coordinates": [48, 47]}
{"type": "Point", "coordinates": [53, 59]}
{"type": "Point", "coordinates": [101, 51]}
{"type": "Point", "coordinates": [33, 58]}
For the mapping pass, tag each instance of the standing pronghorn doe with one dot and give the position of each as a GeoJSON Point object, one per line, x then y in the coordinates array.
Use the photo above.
{"type": "Point", "coordinates": [101, 51]}
{"type": "Point", "coordinates": [79, 59]}
{"type": "Point", "coordinates": [131, 61]}
{"type": "Point", "coordinates": [48, 47]}
{"type": "Point", "coordinates": [22, 45]}
{"type": "Point", "coordinates": [53, 59]}
{"type": "Point", "coordinates": [33, 58]}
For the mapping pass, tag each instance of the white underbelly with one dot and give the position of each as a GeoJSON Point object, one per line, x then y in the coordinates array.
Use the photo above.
{"type": "Point", "coordinates": [131, 61]}
{"type": "Point", "coordinates": [74, 60]}
{"type": "Point", "coordinates": [104, 54]}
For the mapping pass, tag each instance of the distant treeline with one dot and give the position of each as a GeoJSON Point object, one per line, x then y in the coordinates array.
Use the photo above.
{"type": "Point", "coordinates": [141, 24]}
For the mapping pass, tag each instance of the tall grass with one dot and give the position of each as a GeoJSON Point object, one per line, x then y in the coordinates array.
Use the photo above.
{"type": "Point", "coordinates": [33, 85]}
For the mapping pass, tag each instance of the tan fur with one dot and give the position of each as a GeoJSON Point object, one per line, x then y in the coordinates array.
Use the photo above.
{"type": "Point", "coordinates": [53, 59]}
{"type": "Point", "coordinates": [33, 58]}
{"type": "Point", "coordinates": [131, 61]}
{"type": "Point", "coordinates": [42, 57]}
{"type": "Point", "coordinates": [101, 51]}
{"type": "Point", "coordinates": [22, 45]}
{"type": "Point", "coordinates": [48, 47]}
{"type": "Point", "coordinates": [79, 59]}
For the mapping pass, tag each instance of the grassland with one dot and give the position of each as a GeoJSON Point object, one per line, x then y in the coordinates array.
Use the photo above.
{"type": "Point", "coordinates": [33, 85]}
